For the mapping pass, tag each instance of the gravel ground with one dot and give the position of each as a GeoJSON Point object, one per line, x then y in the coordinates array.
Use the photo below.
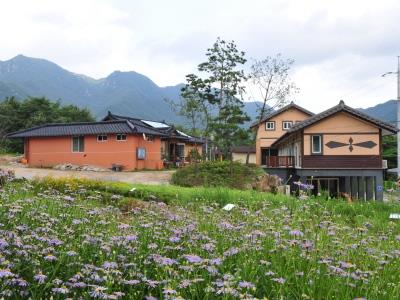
{"type": "Point", "coordinates": [145, 177]}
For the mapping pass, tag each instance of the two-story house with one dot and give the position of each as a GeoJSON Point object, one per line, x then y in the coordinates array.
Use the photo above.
{"type": "Point", "coordinates": [338, 150]}
{"type": "Point", "coordinates": [272, 127]}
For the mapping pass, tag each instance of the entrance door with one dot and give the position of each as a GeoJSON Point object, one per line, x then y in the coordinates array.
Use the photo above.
{"type": "Point", "coordinates": [267, 152]}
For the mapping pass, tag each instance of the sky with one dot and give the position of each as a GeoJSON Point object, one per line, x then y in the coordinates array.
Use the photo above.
{"type": "Point", "coordinates": [340, 48]}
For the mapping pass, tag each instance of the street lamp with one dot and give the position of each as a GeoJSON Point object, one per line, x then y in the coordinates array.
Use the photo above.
{"type": "Point", "coordinates": [398, 112]}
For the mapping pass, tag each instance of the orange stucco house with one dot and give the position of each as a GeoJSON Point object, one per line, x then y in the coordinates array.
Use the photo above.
{"type": "Point", "coordinates": [337, 151]}
{"type": "Point", "coordinates": [129, 143]}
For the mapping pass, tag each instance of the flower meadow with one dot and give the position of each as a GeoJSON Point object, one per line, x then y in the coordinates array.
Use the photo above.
{"type": "Point", "coordinates": [77, 243]}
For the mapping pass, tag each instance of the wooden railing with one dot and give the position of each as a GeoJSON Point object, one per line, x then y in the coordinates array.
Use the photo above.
{"type": "Point", "coordinates": [280, 161]}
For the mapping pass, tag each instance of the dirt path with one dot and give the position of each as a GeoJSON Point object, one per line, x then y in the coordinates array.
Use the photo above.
{"type": "Point", "coordinates": [145, 177]}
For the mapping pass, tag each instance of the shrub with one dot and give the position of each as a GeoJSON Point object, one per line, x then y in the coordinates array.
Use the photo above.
{"type": "Point", "coordinates": [220, 173]}
{"type": "Point", "coordinates": [5, 176]}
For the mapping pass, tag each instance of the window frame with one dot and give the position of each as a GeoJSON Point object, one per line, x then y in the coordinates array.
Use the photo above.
{"type": "Point", "coordinates": [320, 144]}
{"type": "Point", "coordinates": [270, 129]}
{"type": "Point", "coordinates": [183, 150]}
{"type": "Point", "coordinates": [121, 134]}
{"type": "Point", "coordinates": [81, 145]}
{"type": "Point", "coordinates": [150, 138]}
{"type": "Point", "coordinates": [102, 140]}
{"type": "Point", "coordinates": [141, 153]}
{"type": "Point", "coordinates": [283, 125]}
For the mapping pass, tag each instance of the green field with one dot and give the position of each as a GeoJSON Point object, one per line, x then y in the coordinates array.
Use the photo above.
{"type": "Point", "coordinates": [84, 239]}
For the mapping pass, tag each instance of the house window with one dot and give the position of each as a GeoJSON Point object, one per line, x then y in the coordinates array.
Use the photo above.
{"type": "Point", "coordinates": [286, 125]}
{"type": "Point", "coordinates": [141, 153]}
{"type": "Point", "coordinates": [121, 137]}
{"type": "Point", "coordinates": [150, 138]}
{"type": "Point", "coordinates": [316, 144]}
{"type": "Point", "coordinates": [270, 125]}
{"type": "Point", "coordinates": [78, 144]}
{"type": "Point", "coordinates": [102, 138]}
{"type": "Point", "coordinates": [180, 150]}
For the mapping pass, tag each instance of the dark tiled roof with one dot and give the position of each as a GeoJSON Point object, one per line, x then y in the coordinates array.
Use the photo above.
{"type": "Point", "coordinates": [167, 130]}
{"type": "Point", "coordinates": [341, 107]}
{"type": "Point", "coordinates": [281, 110]}
{"type": "Point", "coordinates": [243, 149]}
{"type": "Point", "coordinates": [82, 128]}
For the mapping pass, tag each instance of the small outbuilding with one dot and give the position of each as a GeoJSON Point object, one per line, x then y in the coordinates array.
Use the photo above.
{"type": "Point", "coordinates": [240, 153]}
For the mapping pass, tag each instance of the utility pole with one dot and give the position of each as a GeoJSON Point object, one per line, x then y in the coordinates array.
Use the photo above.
{"type": "Point", "coordinates": [398, 112]}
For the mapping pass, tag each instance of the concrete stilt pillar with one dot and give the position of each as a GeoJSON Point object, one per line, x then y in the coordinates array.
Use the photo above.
{"type": "Point", "coordinates": [347, 185]}
{"type": "Point", "coordinates": [369, 184]}
{"type": "Point", "coordinates": [361, 188]}
{"type": "Point", "coordinates": [379, 187]}
{"type": "Point", "coordinates": [354, 187]}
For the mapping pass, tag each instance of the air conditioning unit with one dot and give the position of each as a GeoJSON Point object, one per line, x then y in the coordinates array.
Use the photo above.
{"type": "Point", "coordinates": [384, 164]}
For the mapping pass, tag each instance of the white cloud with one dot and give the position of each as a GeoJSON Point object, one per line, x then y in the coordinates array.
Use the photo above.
{"type": "Point", "coordinates": [340, 47]}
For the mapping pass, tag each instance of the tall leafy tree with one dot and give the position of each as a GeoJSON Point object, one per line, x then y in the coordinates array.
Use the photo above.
{"type": "Point", "coordinates": [17, 115]}
{"type": "Point", "coordinates": [192, 106]}
{"type": "Point", "coordinates": [270, 77]}
{"type": "Point", "coordinates": [220, 88]}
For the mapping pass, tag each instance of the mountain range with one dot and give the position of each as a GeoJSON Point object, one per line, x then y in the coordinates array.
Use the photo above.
{"type": "Point", "coordinates": [386, 111]}
{"type": "Point", "coordinates": [125, 93]}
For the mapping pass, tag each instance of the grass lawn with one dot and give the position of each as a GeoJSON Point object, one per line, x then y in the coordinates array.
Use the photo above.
{"type": "Point", "coordinates": [80, 238]}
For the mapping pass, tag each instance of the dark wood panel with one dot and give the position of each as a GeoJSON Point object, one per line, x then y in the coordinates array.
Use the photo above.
{"type": "Point", "coordinates": [343, 133]}
{"type": "Point", "coordinates": [342, 161]}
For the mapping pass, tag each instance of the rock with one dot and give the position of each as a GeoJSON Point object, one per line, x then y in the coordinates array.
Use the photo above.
{"type": "Point", "coordinates": [229, 207]}
{"type": "Point", "coordinates": [267, 183]}
{"type": "Point", "coordinates": [71, 167]}
{"type": "Point", "coordinates": [154, 199]}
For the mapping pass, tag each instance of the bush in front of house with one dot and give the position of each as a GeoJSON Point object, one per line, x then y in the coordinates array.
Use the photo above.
{"type": "Point", "coordinates": [217, 173]}
{"type": "Point", "coordinates": [6, 176]}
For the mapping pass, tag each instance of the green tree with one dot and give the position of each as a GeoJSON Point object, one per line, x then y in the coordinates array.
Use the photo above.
{"type": "Point", "coordinates": [270, 77]}
{"type": "Point", "coordinates": [219, 89]}
{"type": "Point", "coordinates": [17, 115]}
{"type": "Point", "coordinates": [389, 145]}
{"type": "Point", "coordinates": [192, 106]}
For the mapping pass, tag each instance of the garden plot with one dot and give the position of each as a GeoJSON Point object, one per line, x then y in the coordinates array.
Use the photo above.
{"type": "Point", "coordinates": [76, 243]}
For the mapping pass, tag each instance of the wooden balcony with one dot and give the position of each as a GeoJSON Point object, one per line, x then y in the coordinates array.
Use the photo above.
{"type": "Point", "coordinates": [280, 161]}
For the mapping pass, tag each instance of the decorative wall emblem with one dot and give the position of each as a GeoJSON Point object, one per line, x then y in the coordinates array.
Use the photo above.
{"type": "Point", "coordinates": [351, 144]}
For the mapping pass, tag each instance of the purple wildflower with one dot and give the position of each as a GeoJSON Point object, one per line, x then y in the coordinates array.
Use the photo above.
{"type": "Point", "coordinates": [55, 242]}
{"type": "Point", "coordinates": [3, 244]}
{"type": "Point", "coordinates": [50, 257]}
{"type": "Point", "coordinates": [98, 292]}
{"type": "Point", "coordinates": [296, 233]}
{"type": "Point", "coordinates": [123, 226]}
{"type": "Point", "coordinates": [231, 251]}
{"type": "Point", "coordinates": [110, 265]}
{"type": "Point", "coordinates": [215, 261]}
{"type": "Point", "coordinates": [71, 253]}
{"type": "Point", "coordinates": [130, 238]}
{"type": "Point", "coordinates": [61, 290]}
{"type": "Point", "coordinates": [164, 261]}
{"type": "Point", "coordinates": [69, 198]}
{"type": "Point", "coordinates": [279, 280]}
{"type": "Point", "coordinates": [246, 285]}
{"type": "Point", "coordinates": [6, 273]}
{"type": "Point", "coordinates": [174, 239]}
{"type": "Point", "coordinates": [40, 278]}
{"type": "Point", "coordinates": [193, 259]}
{"type": "Point", "coordinates": [131, 282]}
{"type": "Point", "coordinates": [184, 283]}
